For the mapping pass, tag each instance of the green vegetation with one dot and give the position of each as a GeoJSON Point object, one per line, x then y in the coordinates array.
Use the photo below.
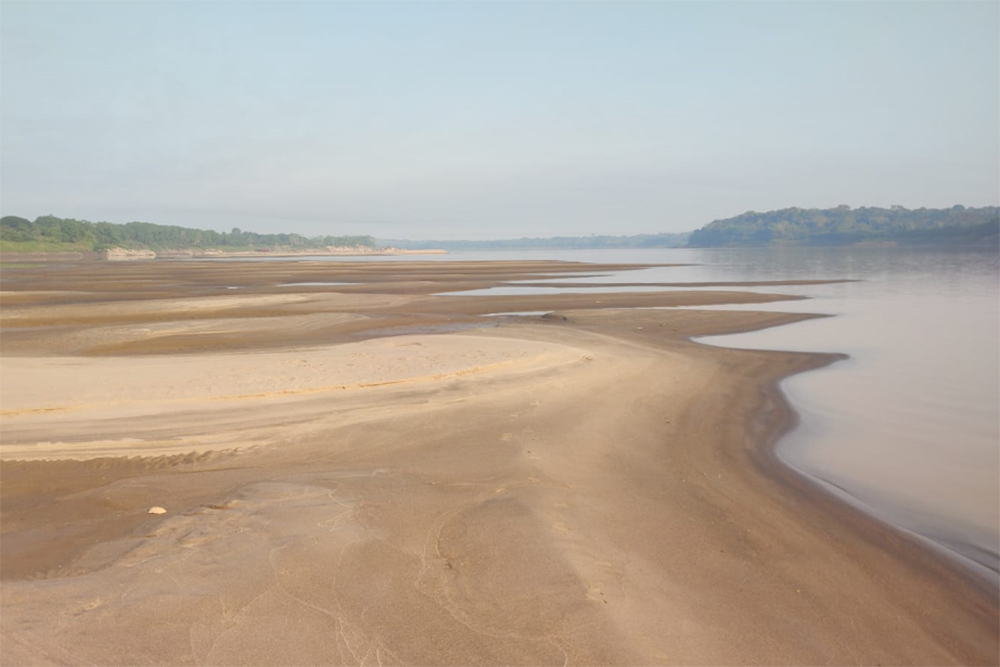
{"type": "Point", "coordinates": [51, 234]}
{"type": "Point", "coordinates": [557, 242]}
{"type": "Point", "coordinates": [956, 226]}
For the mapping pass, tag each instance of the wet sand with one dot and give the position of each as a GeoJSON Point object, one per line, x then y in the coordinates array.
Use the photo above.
{"type": "Point", "coordinates": [371, 474]}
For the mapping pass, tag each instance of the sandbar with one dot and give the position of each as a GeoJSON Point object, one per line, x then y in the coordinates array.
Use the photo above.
{"type": "Point", "coordinates": [377, 474]}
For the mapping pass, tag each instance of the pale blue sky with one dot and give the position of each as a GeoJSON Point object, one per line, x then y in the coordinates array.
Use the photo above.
{"type": "Point", "coordinates": [493, 119]}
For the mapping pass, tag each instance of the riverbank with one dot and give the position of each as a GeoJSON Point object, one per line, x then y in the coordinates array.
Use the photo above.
{"type": "Point", "coordinates": [374, 473]}
{"type": "Point", "coordinates": [289, 252]}
{"type": "Point", "coordinates": [126, 254]}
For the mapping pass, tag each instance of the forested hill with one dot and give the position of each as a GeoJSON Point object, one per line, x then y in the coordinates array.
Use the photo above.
{"type": "Point", "coordinates": [49, 233]}
{"type": "Point", "coordinates": [957, 226]}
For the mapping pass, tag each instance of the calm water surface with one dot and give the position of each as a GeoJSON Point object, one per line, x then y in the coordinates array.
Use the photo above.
{"type": "Point", "coordinates": [909, 427]}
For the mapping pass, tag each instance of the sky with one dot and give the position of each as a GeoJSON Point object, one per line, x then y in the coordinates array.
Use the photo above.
{"type": "Point", "coordinates": [477, 120]}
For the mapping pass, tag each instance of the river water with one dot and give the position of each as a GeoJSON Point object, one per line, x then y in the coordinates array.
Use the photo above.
{"type": "Point", "coordinates": [908, 428]}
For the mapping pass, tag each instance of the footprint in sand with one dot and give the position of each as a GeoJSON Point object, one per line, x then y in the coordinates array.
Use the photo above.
{"type": "Point", "coordinates": [90, 606]}
{"type": "Point", "coordinates": [596, 594]}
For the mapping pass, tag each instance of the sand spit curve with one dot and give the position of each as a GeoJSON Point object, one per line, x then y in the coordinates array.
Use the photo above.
{"type": "Point", "coordinates": [587, 487]}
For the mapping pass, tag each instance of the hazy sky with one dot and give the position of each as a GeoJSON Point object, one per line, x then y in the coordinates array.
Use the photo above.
{"type": "Point", "coordinates": [493, 119]}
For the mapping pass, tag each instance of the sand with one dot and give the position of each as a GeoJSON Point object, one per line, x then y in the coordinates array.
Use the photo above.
{"type": "Point", "coordinates": [377, 475]}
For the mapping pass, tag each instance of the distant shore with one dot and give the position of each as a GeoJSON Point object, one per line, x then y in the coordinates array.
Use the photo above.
{"type": "Point", "coordinates": [123, 254]}
{"type": "Point", "coordinates": [309, 252]}
{"type": "Point", "coordinates": [369, 471]}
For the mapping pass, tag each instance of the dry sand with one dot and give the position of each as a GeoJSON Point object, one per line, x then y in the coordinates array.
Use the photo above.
{"type": "Point", "coordinates": [376, 475]}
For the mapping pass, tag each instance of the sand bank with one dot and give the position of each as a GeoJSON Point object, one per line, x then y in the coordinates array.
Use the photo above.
{"type": "Point", "coordinates": [587, 487]}
{"type": "Point", "coordinates": [73, 407]}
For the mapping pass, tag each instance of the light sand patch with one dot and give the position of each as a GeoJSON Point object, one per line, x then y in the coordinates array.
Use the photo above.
{"type": "Point", "coordinates": [58, 383]}
{"type": "Point", "coordinates": [158, 306]}
{"type": "Point", "coordinates": [67, 405]}
{"type": "Point", "coordinates": [188, 308]}
{"type": "Point", "coordinates": [233, 326]}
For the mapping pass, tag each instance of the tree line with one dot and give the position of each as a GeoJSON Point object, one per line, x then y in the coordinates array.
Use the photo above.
{"type": "Point", "coordinates": [846, 226]}
{"type": "Point", "coordinates": [50, 233]}
{"type": "Point", "coordinates": [958, 226]}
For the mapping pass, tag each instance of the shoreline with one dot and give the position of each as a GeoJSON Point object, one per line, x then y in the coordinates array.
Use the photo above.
{"type": "Point", "coordinates": [825, 493]}
{"type": "Point", "coordinates": [980, 563]}
{"type": "Point", "coordinates": [964, 555]}
{"type": "Point", "coordinates": [315, 252]}
{"type": "Point", "coordinates": [129, 255]}
{"type": "Point", "coordinates": [856, 512]}
{"type": "Point", "coordinates": [655, 525]}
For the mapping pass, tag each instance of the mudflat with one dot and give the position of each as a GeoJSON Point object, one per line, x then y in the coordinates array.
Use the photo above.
{"type": "Point", "coordinates": [357, 469]}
